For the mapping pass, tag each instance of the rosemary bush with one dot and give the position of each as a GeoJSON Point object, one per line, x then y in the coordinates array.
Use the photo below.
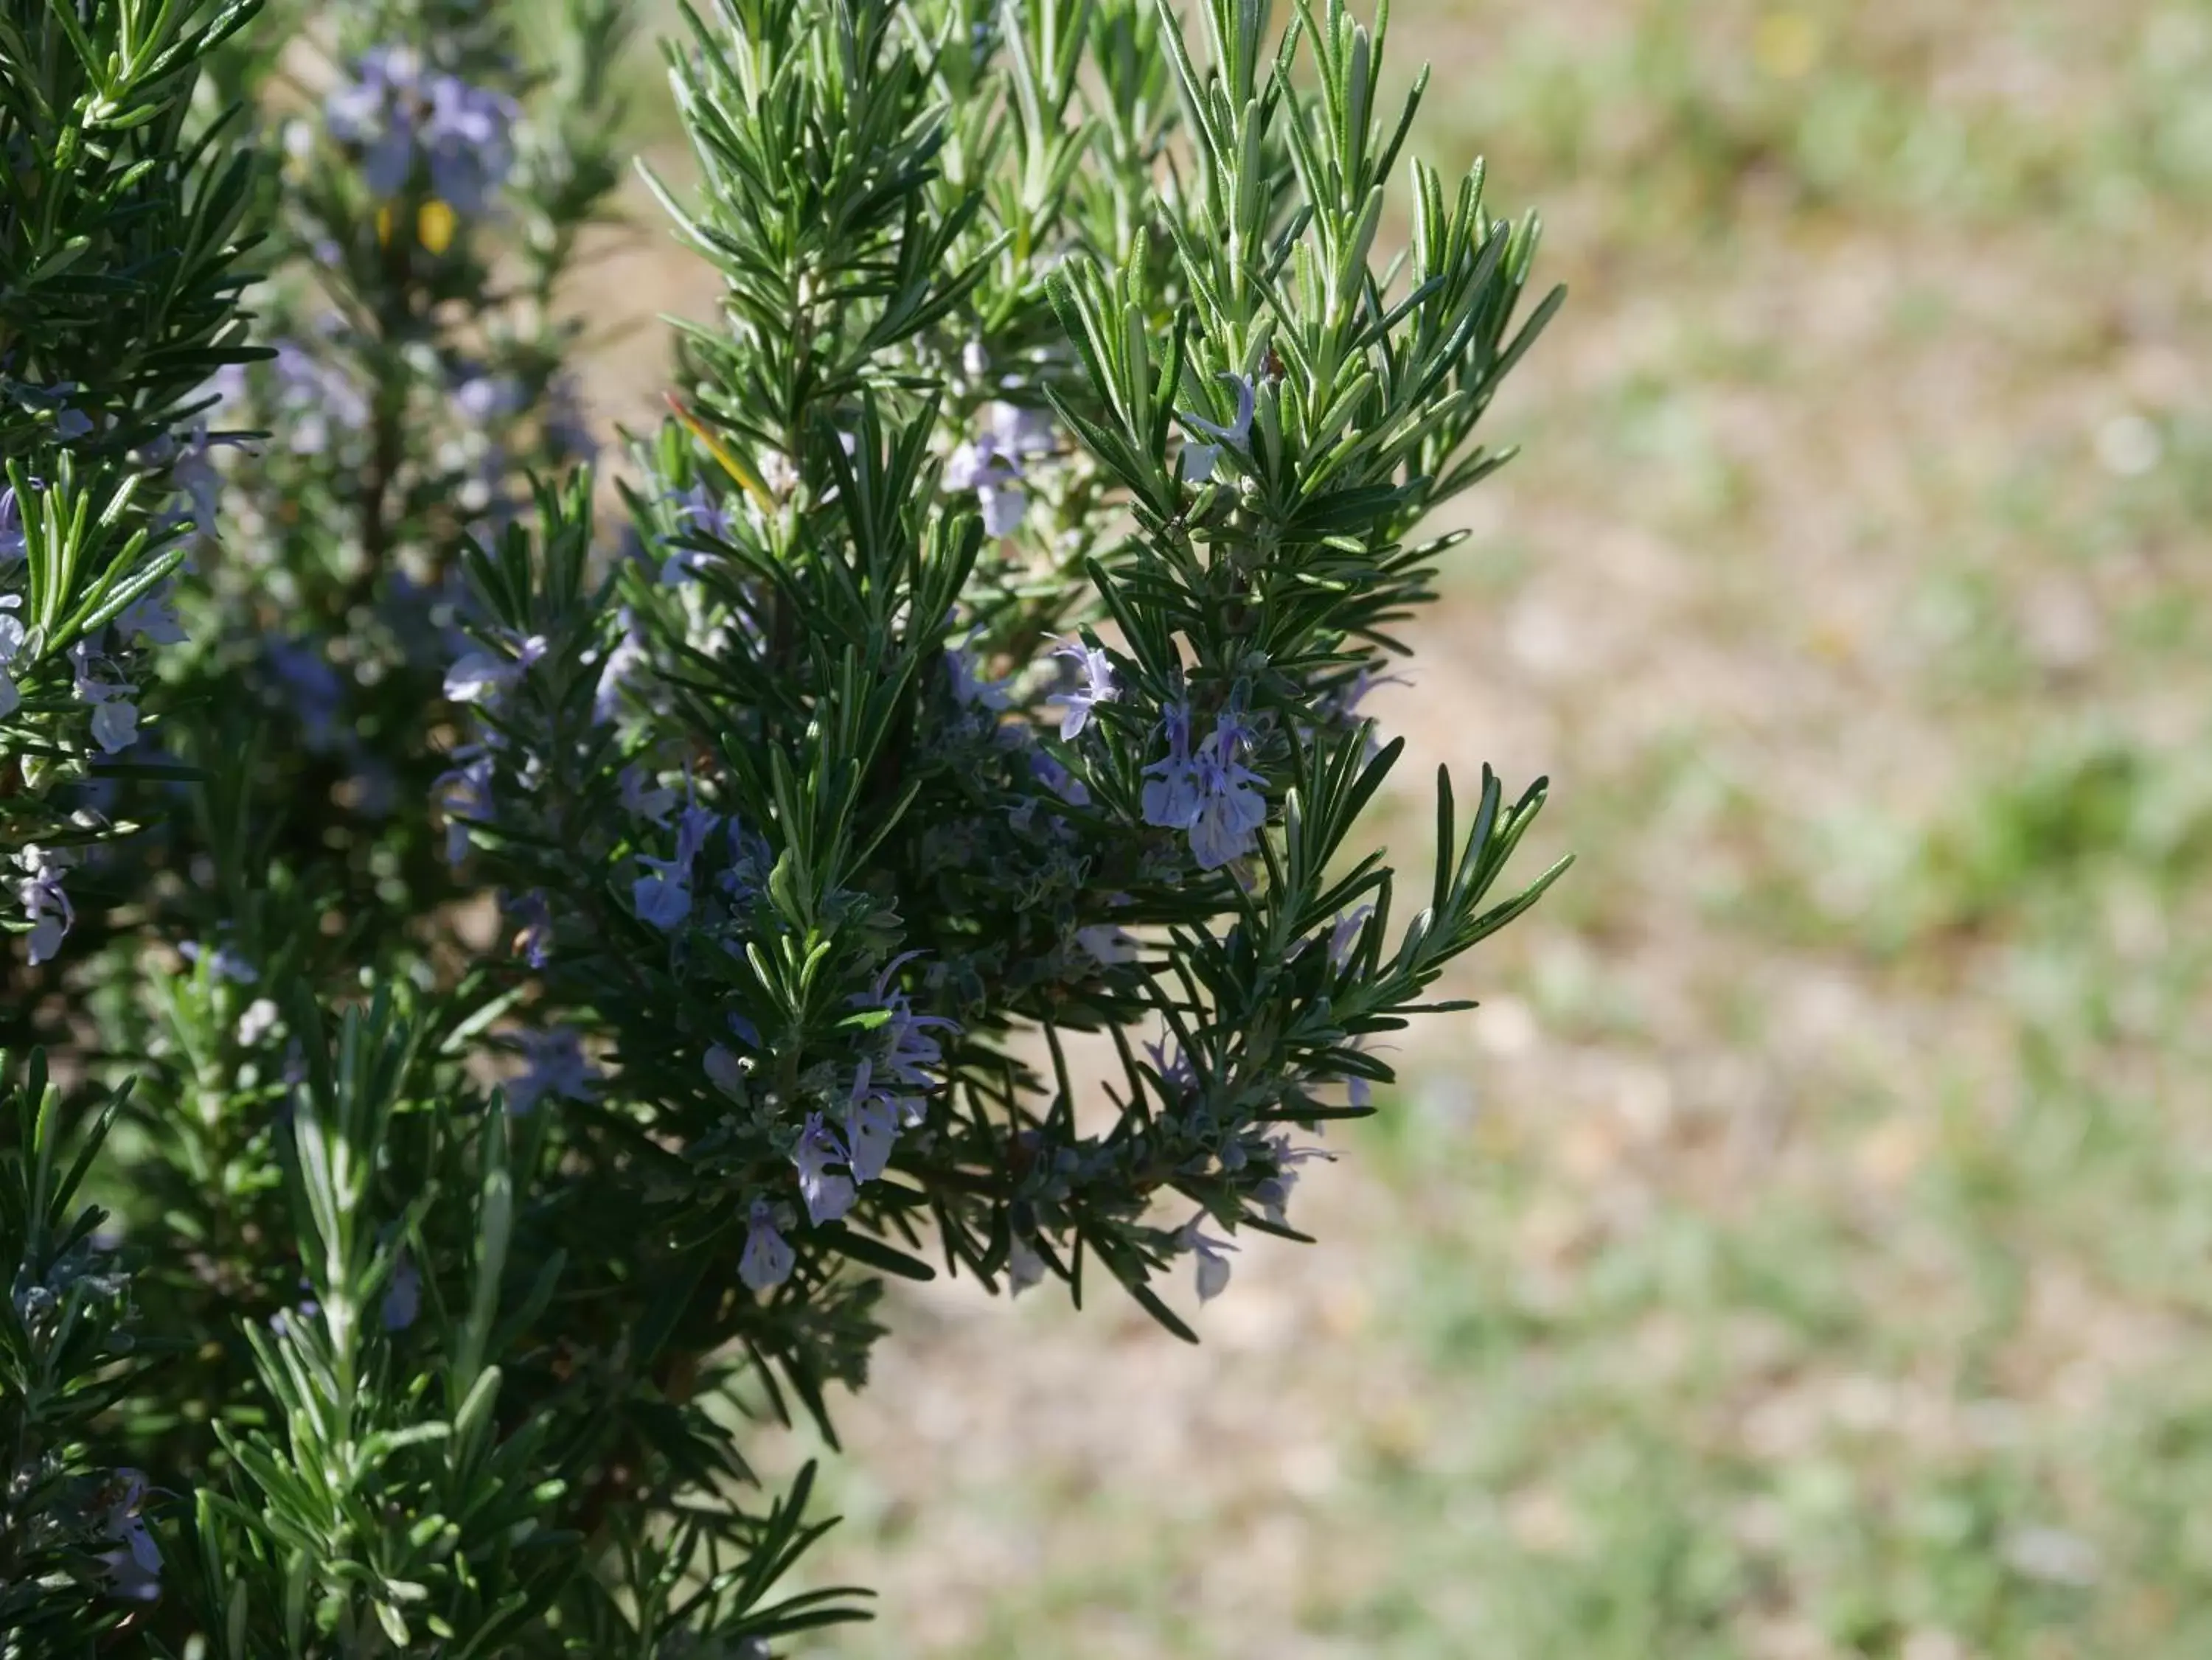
{"type": "Point", "coordinates": [972, 661]}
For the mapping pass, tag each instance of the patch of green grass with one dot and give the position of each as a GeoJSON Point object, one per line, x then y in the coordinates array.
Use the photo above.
{"type": "Point", "coordinates": [1684, 107]}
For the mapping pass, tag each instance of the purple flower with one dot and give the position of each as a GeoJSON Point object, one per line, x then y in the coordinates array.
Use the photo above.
{"type": "Point", "coordinates": [314, 398]}
{"type": "Point", "coordinates": [12, 636]}
{"type": "Point", "coordinates": [557, 1067]}
{"type": "Point", "coordinates": [70, 425]}
{"type": "Point", "coordinates": [469, 136]}
{"type": "Point", "coordinates": [990, 464]}
{"type": "Point", "coordinates": [152, 616]}
{"type": "Point", "coordinates": [1347, 701]}
{"type": "Point", "coordinates": [969, 691]}
{"type": "Point", "coordinates": [376, 110]}
{"type": "Point", "coordinates": [693, 826]}
{"type": "Point", "coordinates": [533, 940]}
{"type": "Point", "coordinates": [724, 1069]}
{"type": "Point", "coordinates": [465, 793]}
{"type": "Point", "coordinates": [1178, 1077]}
{"type": "Point", "coordinates": [1344, 704]}
{"type": "Point", "coordinates": [829, 1194]}
{"type": "Point", "coordinates": [1097, 672]}
{"type": "Point", "coordinates": [135, 1570]}
{"type": "Point", "coordinates": [1230, 810]}
{"type": "Point", "coordinates": [767, 1261]}
{"type": "Point", "coordinates": [872, 1126]}
{"type": "Point", "coordinates": [683, 565]}
{"type": "Point", "coordinates": [480, 676]}
{"type": "Point", "coordinates": [114, 715]}
{"type": "Point", "coordinates": [641, 798]}
{"type": "Point", "coordinates": [14, 543]}
{"type": "Point", "coordinates": [1017, 431]}
{"type": "Point", "coordinates": [910, 1052]}
{"type": "Point", "coordinates": [221, 964]}
{"type": "Point", "coordinates": [193, 471]}
{"type": "Point", "coordinates": [1344, 937]}
{"type": "Point", "coordinates": [1197, 459]}
{"type": "Point", "coordinates": [1273, 1192]}
{"type": "Point", "coordinates": [394, 110]}
{"type": "Point", "coordinates": [115, 724]}
{"type": "Point", "coordinates": [1239, 430]}
{"type": "Point", "coordinates": [1058, 780]}
{"type": "Point", "coordinates": [40, 894]}
{"type": "Point", "coordinates": [1171, 800]}
{"type": "Point", "coordinates": [1358, 1090]}
{"type": "Point", "coordinates": [1025, 1268]}
{"type": "Point", "coordinates": [662, 897]}
{"type": "Point", "coordinates": [622, 662]}
{"type": "Point", "coordinates": [483, 398]}
{"type": "Point", "coordinates": [403, 1299]}
{"type": "Point", "coordinates": [1213, 1262]}
{"type": "Point", "coordinates": [696, 509]}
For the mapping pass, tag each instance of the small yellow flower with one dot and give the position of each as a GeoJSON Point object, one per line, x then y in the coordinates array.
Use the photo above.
{"type": "Point", "coordinates": [1786, 45]}
{"type": "Point", "coordinates": [435, 226]}
{"type": "Point", "coordinates": [435, 222]}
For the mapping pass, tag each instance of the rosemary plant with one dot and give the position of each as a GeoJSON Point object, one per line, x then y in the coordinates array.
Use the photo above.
{"type": "Point", "coordinates": [919, 786]}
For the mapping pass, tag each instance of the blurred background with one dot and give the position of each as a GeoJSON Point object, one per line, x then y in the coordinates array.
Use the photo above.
{"type": "Point", "coordinates": [1803, 1251]}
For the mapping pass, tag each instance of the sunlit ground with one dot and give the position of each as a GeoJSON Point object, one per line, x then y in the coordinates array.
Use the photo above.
{"type": "Point", "coordinates": [1804, 1251]}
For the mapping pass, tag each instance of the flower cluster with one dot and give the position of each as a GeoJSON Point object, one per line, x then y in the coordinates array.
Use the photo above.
{"type": "Point", "coordinates": [315, 398]}
{"type": "Point", "coordinates": [401, 115]}
{"type": "Point", "coordinates": [120, 245]}
{"type": "Point", "coordinates": [408, 399]}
